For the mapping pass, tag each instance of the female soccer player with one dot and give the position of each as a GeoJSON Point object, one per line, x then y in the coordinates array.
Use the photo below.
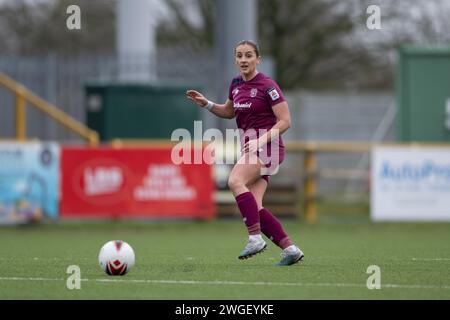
{"type": "Point", "coordinates": [262, 115]}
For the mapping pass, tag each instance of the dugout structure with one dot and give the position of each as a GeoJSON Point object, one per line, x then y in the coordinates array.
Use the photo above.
{"type": "Point", "coordinates": [139, 111]}
{"type": "Point", "coordinates": [423, 94]}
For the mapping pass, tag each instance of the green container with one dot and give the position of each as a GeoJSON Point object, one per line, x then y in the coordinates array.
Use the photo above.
{"type": "Point", "coordinates": [139, 111]}
{"type": "Point", "coordinates": [423, 94]}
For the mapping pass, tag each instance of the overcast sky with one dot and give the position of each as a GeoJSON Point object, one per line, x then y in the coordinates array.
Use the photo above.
{"type": "Point", "coordinates": [414, 12]}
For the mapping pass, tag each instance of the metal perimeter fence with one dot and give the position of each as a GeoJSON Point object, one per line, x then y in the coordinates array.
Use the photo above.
{"type": "Point", "coordinates": [316, 116]}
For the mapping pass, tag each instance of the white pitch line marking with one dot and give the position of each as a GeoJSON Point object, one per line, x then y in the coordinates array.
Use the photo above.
{"type": "Point", "coordinates": [187, 258]}
{"type": "Point", "coordinates": [43, 258]}
{"type": "Point", "coordinates": [430, 259]}
{"type": "Point", "coordinates": [220, 282]}
{"type": "Point", "coordinates": [29, 279]}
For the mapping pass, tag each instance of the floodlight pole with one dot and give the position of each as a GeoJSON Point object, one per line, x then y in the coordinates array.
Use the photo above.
{"type": "Point", "coordinates": [236, 20]}
{"type": "Point", "coordinates": [136, 41]}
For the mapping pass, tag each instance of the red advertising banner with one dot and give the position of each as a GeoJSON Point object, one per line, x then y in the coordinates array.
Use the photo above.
{"type": "Point", "coordinates": [133, 182]}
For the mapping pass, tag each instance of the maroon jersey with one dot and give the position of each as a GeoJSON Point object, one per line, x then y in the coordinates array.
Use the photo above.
{"type": "Point", "coordinates": [253, 101]}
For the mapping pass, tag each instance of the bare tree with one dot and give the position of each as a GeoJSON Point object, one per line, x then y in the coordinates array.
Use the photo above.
{"type": "Point", "coordinates": [314, 43]}
{"type": "Point", "coordinates": [183, 29]}
{"type": "Point", "coordinates": [38, 27]}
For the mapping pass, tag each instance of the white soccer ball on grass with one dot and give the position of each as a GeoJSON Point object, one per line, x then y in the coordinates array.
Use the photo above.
{"type": "Point", "coordinates": [116, 258]}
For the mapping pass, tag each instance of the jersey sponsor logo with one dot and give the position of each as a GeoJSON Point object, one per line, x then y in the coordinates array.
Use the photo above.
{"type": "Point", "coordinates": [253, 92]}
{"type": "Point", "coordinates": [242, 105]}
{"type": "Point", "coordinates": [274, 95]}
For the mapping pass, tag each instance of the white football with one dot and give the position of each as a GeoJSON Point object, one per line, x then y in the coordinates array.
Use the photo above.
{"type": "Point", "coordinates": [116, 258]}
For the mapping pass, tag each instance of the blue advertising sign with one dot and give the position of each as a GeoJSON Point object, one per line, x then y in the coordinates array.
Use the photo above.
{"type": "Point", "coordinates": [29, 182]}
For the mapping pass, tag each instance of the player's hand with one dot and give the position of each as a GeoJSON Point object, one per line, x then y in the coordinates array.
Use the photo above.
{"type": "Point", "coordinates": [197, 97]}
{"type": "Point", "coordinates": [251, 146]}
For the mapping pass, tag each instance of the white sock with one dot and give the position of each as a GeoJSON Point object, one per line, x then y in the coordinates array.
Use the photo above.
{"type": "Point", "coordinates": [291, 248]}
{"type": "Point", "coordinates": [255, 237]}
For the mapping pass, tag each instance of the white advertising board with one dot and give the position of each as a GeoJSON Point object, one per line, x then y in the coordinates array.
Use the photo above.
{"type": "Point", "coordinates": [410, 184]}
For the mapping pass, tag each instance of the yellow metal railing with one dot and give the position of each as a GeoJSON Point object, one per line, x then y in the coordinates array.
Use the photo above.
{"type": "Point", "coordinates": [310, 172]}
{"type": "Point", "coordinates": [310, 151]}
{"type": "Point", "coordinates": [23, 95]}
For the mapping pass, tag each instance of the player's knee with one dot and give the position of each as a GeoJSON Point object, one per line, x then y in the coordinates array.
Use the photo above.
{"type": "Point", "coordinates": [235, 183]}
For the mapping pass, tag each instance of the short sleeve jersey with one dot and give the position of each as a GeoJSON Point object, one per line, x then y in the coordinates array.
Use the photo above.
{"type": "Point", "coordinates": [253, 101]}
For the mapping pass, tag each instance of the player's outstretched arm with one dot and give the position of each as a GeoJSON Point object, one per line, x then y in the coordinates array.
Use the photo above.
{"type": "Point", "coordinates": [225, 110]}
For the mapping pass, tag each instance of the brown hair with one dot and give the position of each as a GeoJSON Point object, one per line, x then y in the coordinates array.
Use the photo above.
{"type": "Point", "coordinates": [250, 43]}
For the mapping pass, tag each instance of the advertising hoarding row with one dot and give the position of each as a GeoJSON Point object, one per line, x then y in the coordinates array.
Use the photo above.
{"type": "Point", "coordinates": [45, 181]}
{"type": "Point", "coordinates": [40, 181]}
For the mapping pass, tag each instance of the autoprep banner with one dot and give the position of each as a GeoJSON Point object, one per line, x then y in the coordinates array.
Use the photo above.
{"type": "Point", "coordinates": [133, 182]}
{"type": "Point", "coordinates": [410, 184]}
{"type": "Point", "coordinates": [29, 182]}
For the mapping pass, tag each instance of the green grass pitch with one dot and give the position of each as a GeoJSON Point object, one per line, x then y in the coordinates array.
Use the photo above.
{"type": "Point", "coordinates": [198, 260]}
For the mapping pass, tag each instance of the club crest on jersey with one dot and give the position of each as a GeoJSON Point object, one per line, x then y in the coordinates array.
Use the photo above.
{"type": "Point", "coordinates": [253, 92]}
{"type": "Point", "coordinates": [274, 95]}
